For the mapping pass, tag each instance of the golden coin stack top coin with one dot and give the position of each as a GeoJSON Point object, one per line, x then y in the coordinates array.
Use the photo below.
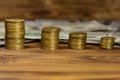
{"type": "Point", "coordinates": [107, 42]}
{"type": "Point", "coordinates": [77, 40]}
{"type": "Point", "coordinates": [14, 34]}
{"type": "Point", "coordinates": [50, 38]}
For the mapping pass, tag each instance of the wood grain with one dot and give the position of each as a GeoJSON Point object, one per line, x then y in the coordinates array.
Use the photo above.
{"type": "Point", "coordinates": [60, 9]}
{"type": "Point", "coordinates": [33, 63]}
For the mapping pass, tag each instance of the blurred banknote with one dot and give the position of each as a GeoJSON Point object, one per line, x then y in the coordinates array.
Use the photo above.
{"type": "Point", "coordinates": [95, 29]}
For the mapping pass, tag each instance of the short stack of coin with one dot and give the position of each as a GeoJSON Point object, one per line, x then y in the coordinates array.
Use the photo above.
{"type": "Point", "coordinates": [50, 38]}
{"type": "Point", "coordinates": [14, 34]}
{"type": "Point", "coordinates": [107, 42]}
{"type": "Point", "coordinates": [77, 40]}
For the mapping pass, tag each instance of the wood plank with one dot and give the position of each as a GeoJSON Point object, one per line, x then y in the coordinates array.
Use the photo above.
{"type": "Point", "coordinates": [33, 63]}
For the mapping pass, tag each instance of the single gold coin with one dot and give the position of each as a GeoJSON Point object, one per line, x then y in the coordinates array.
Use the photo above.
{"type": "Point", "coordinates": [78, 34]}
{"type": "Point", "coordinates": [14, 20]}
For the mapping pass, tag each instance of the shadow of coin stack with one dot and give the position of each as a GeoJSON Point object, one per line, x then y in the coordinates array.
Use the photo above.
{"type": "Point", "coordinates": [14, 34]}
{"type": "Point", "coordinates": [50, 38]}
{"type": "Point", "coordinates": [107, 42]}
{"type": "Point", "coordinates": [77, 40]}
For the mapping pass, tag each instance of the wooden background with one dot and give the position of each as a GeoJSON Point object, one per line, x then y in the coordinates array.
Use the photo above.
{"type": "Point", "coordinates": [61, 9]}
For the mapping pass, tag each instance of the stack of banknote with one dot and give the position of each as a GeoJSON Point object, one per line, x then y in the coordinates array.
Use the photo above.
{"type": "Point", "coordinates": [94, 29]}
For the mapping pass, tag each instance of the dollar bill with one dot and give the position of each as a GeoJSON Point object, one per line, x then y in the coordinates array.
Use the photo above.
{"type": "Point", "coordinates": [94, 29]}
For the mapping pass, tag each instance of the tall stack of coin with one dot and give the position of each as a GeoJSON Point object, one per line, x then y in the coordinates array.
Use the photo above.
{"type": "Point", "coordinates": [107, 42]}
{"type": "Point", "coordinates": [50, 38]}
{"type": "Point", "coordinates": [77, 40]}
{"type": "Point", "coordinates": [14, 34]}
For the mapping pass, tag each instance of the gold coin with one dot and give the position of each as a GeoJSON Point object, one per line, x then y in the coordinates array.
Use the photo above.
{"type": "Point", "coordinates": [77, 40]}
{"type": "Point", "coordinates": [50, 38]}
{"type": "Point", "coordinates": [78, 34]}
{"type": "Point", "coordinates": [14, 33]}
{"type": "Point", "coordinates": [107, 42]}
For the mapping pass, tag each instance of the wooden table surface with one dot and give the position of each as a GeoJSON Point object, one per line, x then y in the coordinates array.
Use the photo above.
{"type": "Point", "coordinates": [33, 63]}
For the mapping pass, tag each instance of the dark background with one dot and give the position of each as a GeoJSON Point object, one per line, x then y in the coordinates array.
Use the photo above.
{"type": "Point", "coordinates": [60, 9]}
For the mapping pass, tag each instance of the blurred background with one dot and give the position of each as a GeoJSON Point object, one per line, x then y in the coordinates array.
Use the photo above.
{"type": "Point", "coordinates": [96, 17]}
{"type": "Point", "coordinates": [60, 9]}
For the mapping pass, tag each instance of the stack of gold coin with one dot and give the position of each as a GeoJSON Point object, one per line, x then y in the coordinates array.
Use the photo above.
{"type": "Point", "coordinates": [50, 38]}
{"type": "Point", "coordinates": [77, 40]}
{"type": "Point", "coordinates": [14, 34]}
{"type": "Point", "coordinates": [107, 42]}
